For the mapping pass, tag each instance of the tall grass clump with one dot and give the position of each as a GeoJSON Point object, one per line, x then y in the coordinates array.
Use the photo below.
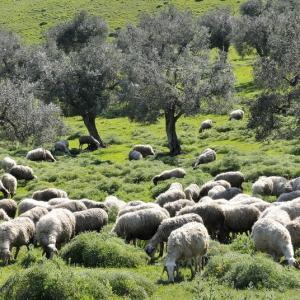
{"type": "Point", "coordinates": [102, 250]}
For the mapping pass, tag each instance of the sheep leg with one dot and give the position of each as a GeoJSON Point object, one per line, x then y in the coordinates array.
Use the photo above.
{"type": "Point", "coordinates": [190, 264]}
{"type": "Point", "coordinates": [161, 249]}
{"type": "Point", "coordinates": [17, 252]}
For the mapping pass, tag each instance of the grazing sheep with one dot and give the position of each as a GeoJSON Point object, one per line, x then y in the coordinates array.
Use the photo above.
{"type": "Point", "coordinates": [145, 150]}
{"type": "Point", "coordinates": [93, 204]}
{"type": "Point", "coordinates": [71, 205]}
{"type": "Point", "coordinates": [277, 214]}
{"type": "Point", "coordinates": [114, 202]}
{"type": "Point", "coordinates": [174, 207]}
{"type": "Point", "coordinates": [40, 154]}
{"type": "Point", "coordinates": [55, 229]}
{"type": "Point", "coordinates": [56, 201]}
{"type": "Point", "coordinates": [7, 163]}
{"type": "Point", "coordinates": [235, 179]}
{"type": "Point", "coordinates": [134, 203]}
{"type": "Point", "coordinates": [263, 186]}
{"type": "Point", "coordinates": [135, 155]}
{"type": "Point", "coordinates": [261, 206]}
{"type": "Point", "coordinates": [272, 237]}
{"type": "Point", "coordinates": [27, 204]}
{"type": "Point", "coordinates": [210, 184]}
{"type": "Point", "coordinates": [207, 124]}
{"type": "Point", "coordinates": [280, 185]}
{"type": "Point", "coordinates": [227, 194]}
{"type": "Point", "coordinates": [294, 229]}
{"type": "Point", "coordinates": [141, 224]}
{"type": "Point", "coordinates": [289, 196]}
{"type": "Point", "coordinates": [9, 206]}
{"type": "Point", "coordinates": [192, 192]}
{"type": "Point", "coordinates": [212, 215]}
{"type": "Point", "coordinates": [34, 214]}
{"type": "Point", "coordinates": [237, 114]}
{"type": "Point", "coordinates": [62, 146]}
{"type": "Point", "coordinates": [92, 143]}
{"type": "Point", "coordinates": [164, 230]}
{"type": "Point", "coordinates": [128, 208]}
{"type": "Point", "coordinates": [22, 172]}
{"type": "Point", "coordinates": [295, 183]}
{"type": "Point", "coordinates": [189, 242]}
{"type": "Point", "coordinates": [175, 192]}
{"type": "Point", "coordinates": [215, 190]}
{"type": "Point", "coordinates": [177, 173]}
{"type": "Point", "coordinates": [47, 194]}
{"type": "Point", "coordinates": [207, 156]}
{"type": "Point", "coordinates": [10, 183]}
{"type": "Point", "coordinates": [15, 233]}
{"type": "Point", "coordinates": [90, 220]}
{"type": "Point", "coordinates": [3, 215]}
{"type": "Point", "coordinates": [3, 190]}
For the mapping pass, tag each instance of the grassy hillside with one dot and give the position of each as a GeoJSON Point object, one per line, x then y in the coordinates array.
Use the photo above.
{"type": "Point", "coordinates": [32, 18]}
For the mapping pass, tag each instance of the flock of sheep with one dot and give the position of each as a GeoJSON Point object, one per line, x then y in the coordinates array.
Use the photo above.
{"type": "Point", "coordinates": [184, 219]}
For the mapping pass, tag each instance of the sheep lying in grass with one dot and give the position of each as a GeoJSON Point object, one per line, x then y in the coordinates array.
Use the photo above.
{"type": "Point", "coordinates": [189, 242]}
{"type": "Point", "coordinates": [237, 114]}
{"type": "Point", "coordinates": [141, 224]}
{"type": "Point", "coordinates": [7, 163]}
{"type": "Point", "coordinates": [175, 192]}
{"type": "Point", "coordinates": [35, 213]}
{"type": "Point", "coordinates": [90, 220]}
{"type": "Point", "coordinates": [40, 154]}
{"type": "Point", "coordinates": [9, 206]}
{"type": "Point", "coordinates": [227, 194]}
{"type": "Point", "coordinates": [135, 155]}
{"type": "Point", "coordinates": [3, 215]}
{"type": "Point", "coordinates": [164, 230]}
{"type": "Point", "coordinates": [15, 233]}
{"type": "Point", "coordinates": [206, 124]}
{"type": "Point", "coordinates": [174, 173]}
{"type": "Point", "coordinates": [174, 207]}
{"type": "Point", "coordinates": [10, 183]}
{"type": "Point", "coordinates": [27, 204]}
{"type": "Point", "coordinates": [235, 179]}
{"type": "Point", "coordinates": [3, 190]}
{"type": "Point", "coordinates": [192, 192]}
{"type": "Point", "coordinates": [22, 172]}
{"type": "Point", "coordinates": [207, 156]}
{"type": "Point", "coordinates": [92, 143]}
{"type": "Point", "coordinates": [145, 150]}
{"type": "Point", "coordinates": [206, 187]}
{"type": "Point", "coordinates": [55, 229]}
{"type": "Point", "coordinates": [50, 193]}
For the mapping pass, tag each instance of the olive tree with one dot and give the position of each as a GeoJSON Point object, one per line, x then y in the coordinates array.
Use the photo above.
{"type": "Point", "coordinates": [168, 70]}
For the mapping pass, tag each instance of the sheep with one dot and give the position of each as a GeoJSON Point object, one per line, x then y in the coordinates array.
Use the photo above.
{"type": "Point", "coordinates": [22, 172]}
{"type": "Point", "coordinates": [92, 143]}
{"type": "Point", "coordinates": [192, 192]}
{"type": "Point", "coordinates": [204, 189]}
{"type": "Point", "coordinates": [71, 205]}
{"type": "Point", "coordinates": [134, 203]}
{"type": "Point", "coordinates": [215, 190]}
{"type": "Point", "coordinates": [261, 206]}
{"type": "Point", "coordinates": [289, 196]}
{"type": "Point", "coordinates": [227, 194]}
{"type": "Point", "coordinates": [174, 207]}
{"type": "Point", "coordinates": [145, 150]}
{"type": "Point", "coordinates": [188, 242]}
{"type": "Point", "coordinates": [207, 156]}
{"type": "Point", "coordinates": [128, 209]}
{"type": "Point", "coordinates": [3, 215]}
{"type": "Point", "coordinates": [294, 229]}
{"type": "Point", "coordinates": [212, 215]}
{"type": "Point", "coordinates": [280, 185]}
{"type": "Point", "coordinates": [263, 186]}
{"type": "Point", "coordinates": [9, 206]}
{"type": "Point", "coordinates": [3, 190]}
{"type": "Point", "coordinates": [177, 173]}
{"type": "Point", "coordinates": [135, 155]}
{"type": "Point", "coordinates": [141, 224]}
{"type": "Point", "coordinates": [7, 163]}
{"type": "Point", "coordinates": [55, 229]}
{"type": "Point", "coordinates": [50, 193]}
{"type": "Point", "coordinates": [10, 183]}
{"type": "Point", "coordinates": [164, 230]}
{"type": "Point", "coordinates": [93, 204]}
{"type": "Point", "coordinates": [56, 201]}
{"type": "Point", "coordinates": [27, 204]}
{"type": "Point", "coordinates": [206, 124]}
{"type": "Point", "coordinates": [272, 237]}
{"type": "Point", "coordinates": [235, 179]}
{"type": "Point", "coordinates": [40, 154]}
{"type": "Point", "coordinates": [295, 183]}
{"type": "Point", "coordinates": [90, 220]}
{"type": "Point", "coordinates": [175, 192]}
{"type": "Point", "coordinates": [62, 146]}
{"type": "Point", "coordinates": [35, 213]}
{"type": "Point", "coordinates": [114, 202]}
{"type": "Point", "coordinates": [237, 114]}
{"type": "Point", "coordinates": [15, 233]}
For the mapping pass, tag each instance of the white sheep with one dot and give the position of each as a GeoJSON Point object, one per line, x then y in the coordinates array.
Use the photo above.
{"type": "Point", "coordinates": [112, 202]}
{"type": "Point", "coordinates": [192, 192]}
{"type": "Point", "coordinates": [215, 190]}
{"type": "Point", "coordinates": [237, 114]}
{"type": "Point", "coordinates": [10, 183]}
{"type": "Point", "coordinates": [174, 207]}
{"type": "Point", "coordinates": [128, 208]}
{"type": "Point", "coordinates": [294, 229]}
{"type": "Point", "coordinates": [263, 186]}
{"type": "Point", "coordinates": [189, 242]}
{"type": "Point", "coordinates": [35, 213]}
{"type": "Point", "coordinates": [135, 155]}
{"type": "Point", "coordinates": [145, 150]}
{"type": "Point", "coordinates": [40, 154]}
{"type": "Point", "coordinates": [56, 201]}
{"type": "Point", "coordinates": [93, 204]}
{"type": "Point", "coordinates": [280, 185]}
{"type": "Point", "coordinates": [176, 173]}
{"type": "Point", "coordinates": [9, 206]}
{"type": "Point", "coordinates": [22, 172]}
{"type": "Point", "coordinates": [27, 204]}
{"type": "Point", "coordinates": [235, 178]}
{"type": "Point", "coordinates": [175, 192]}
{"type": "Point", "coordinates": [55, 229]}
{"type": "Point", "coordinates": [3, 215]}
{"type": "Point", "coordinates": [204, 189]}
{"type": "Point", "coordinates": [206, 124]}
{"type": "Point", "coordinates": [71, 205]}
{"type": "Point", "coordinates": [7, 163]}
{"type": "Point", "coordinates": [207, 156]}
{"type": "Point", "coordinates": [50, 193]}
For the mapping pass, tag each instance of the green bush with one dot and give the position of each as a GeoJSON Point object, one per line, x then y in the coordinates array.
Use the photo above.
{"type": "Point", "coordinates": [243, 244]}
{"type": "Point", "coordinates": [102, 250]}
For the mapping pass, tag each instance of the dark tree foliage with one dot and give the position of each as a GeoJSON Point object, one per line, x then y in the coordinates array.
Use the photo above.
{"type": "Point", "coordinates": [252, 8]}
{"type": "Point", "coordinates": [168, 70]}
{"type": "Point", "coordinates": [220, 24]}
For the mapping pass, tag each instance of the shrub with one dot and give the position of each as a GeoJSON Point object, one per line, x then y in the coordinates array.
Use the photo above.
{"type": "Point", "coordinates": [243, 244]}
{"type": "Point", "coordinates": [102, 250]}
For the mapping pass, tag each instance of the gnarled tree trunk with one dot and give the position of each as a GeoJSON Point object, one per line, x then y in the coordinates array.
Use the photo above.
{"type": "Point", "coordinates": [89, 120]}
{"type": "Point", "coordinates": [173, 141]}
